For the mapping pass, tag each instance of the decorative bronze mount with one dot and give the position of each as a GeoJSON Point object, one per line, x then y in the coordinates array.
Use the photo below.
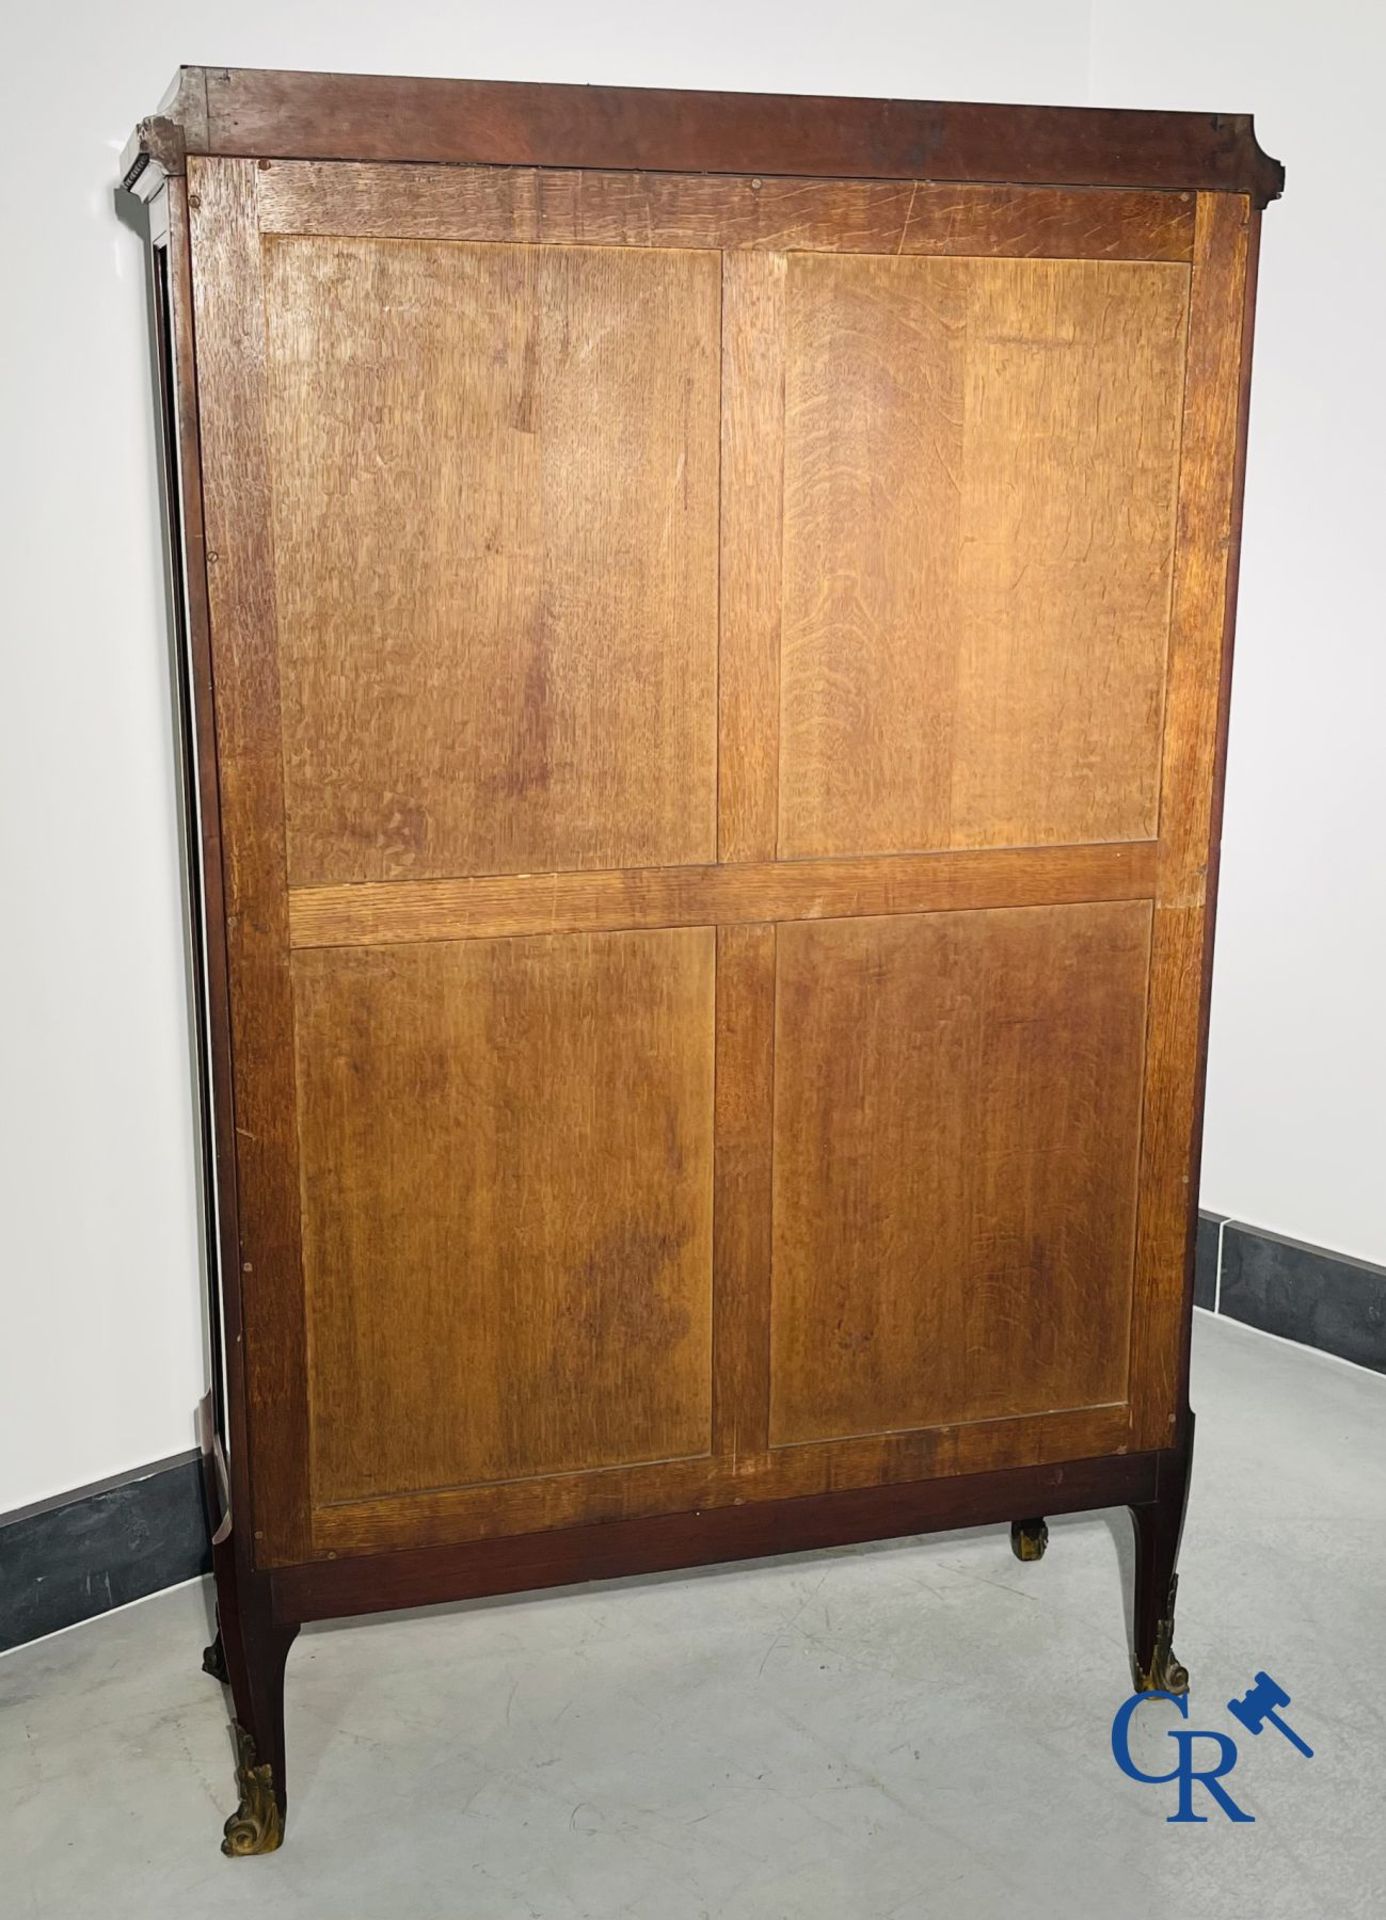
{"type": "Point", "coordinates": [1165, 1674]}
{"type": "Point", "coordinates": [1029, 1538]}
{"type": "Point", "coordinates": [257, 1826]}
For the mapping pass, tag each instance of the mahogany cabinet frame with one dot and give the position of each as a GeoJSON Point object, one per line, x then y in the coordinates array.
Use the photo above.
{"type": "Point", "coordinates": [1213, 179]}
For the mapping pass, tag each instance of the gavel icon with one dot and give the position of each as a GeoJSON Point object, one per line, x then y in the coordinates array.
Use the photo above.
{"type": "Point", "coordinates": [1259, 1704]}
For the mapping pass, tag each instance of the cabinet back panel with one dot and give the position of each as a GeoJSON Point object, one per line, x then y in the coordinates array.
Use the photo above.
{"type": "Point", "coordinates": [980, 459]}
{"type": "Point", "coordinates": [957, 1116]}
{"type": "Point", "coordinates": [507, 1185]}
{"type": "Point", "coordinates": [717, 812]}
{"type": "Point", "coordinates": [495, 534]}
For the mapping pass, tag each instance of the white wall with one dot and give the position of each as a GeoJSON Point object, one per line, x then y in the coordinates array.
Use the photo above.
{"type": "Point", "coordinates": [1295, 1138]}
{"type": "Point", "coordinates": [100, 1326]}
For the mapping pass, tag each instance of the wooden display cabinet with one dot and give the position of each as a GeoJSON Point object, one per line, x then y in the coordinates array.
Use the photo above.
{"type": "Point", "coordinates": [705, 625]}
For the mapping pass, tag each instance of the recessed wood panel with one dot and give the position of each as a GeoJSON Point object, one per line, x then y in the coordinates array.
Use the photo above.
{"type": "Point", "coordinates": [507, 1193]}
{"type": "Point", "coordinates": [980, 460]}
{"type": "Point", "coordinates": [957, 1114]}
{"type": "Point", "coordinates": [495, 526]}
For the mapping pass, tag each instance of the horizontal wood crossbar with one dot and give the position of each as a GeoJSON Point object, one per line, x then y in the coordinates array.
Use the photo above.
{"type": "Point", "coordinates": [421, 1576]}
{"type": "Point", "coordinates": [594, 208]}
{"type": "Point", "coordinates": [496, 906]}
{"type": "Point", "coordinates": [440, 1515]}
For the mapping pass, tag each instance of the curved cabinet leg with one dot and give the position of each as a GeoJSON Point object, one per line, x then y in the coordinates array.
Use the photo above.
{"type": "Point", "coordinates": [255, 1647]}
{"type": "Point", "coordinates": [1029, 1538]}
{"type": "Point", "coordinates": [1158, 1527]}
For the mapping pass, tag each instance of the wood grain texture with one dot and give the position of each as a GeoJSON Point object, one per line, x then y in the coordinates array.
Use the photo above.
{"type": "Point", "coordinates": [448, 1515]}
{"type": "Point", "coordinates": [229, 315]}
{"type": "Point", "coordinates": [752, 495]}
{"type": "Point", "coordinates": [741, 1231]}
{"type": "Point", "coordinates": [385, 117]}
{"type": "Point", "coordinates": [720, 688]}
{"type": "Point", "coordinates": [507, 1190]}
{"type": "Point", "coordinates": [633, 1184]}
{"type": "Point", "coordinates": [583, 208]}
{"type": "Point", "coordinates": [957, 1110]}
{"type": "Point", "coordinates": [207, 893]}
{"type": "Point", "coordinates": [365, 1583]}
{"type": "Point", "coordinates": [980, 465]}
{"type": "Point", "coordinates": [1195, 721]}
{"type": "Point", "coordinates": [496, 547]}
{"type": "Point", "coordinates": [494, 906]}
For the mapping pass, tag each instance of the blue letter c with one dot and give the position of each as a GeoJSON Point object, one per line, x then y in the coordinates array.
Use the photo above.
{"type": "Point", "coordinates": [1121, 1737]}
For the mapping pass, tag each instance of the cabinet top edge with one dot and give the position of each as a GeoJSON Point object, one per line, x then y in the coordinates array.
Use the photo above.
{"type": "Point", "coordinates": [254, 113]}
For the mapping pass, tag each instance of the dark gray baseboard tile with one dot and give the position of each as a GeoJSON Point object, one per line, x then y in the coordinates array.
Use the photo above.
{"type": "Point", "coordinates": [1206, 1260]}
{"type": "Point", "coordinates": [1303, 1293]}
{"type": "Point", "coordinates": [99, 1548]}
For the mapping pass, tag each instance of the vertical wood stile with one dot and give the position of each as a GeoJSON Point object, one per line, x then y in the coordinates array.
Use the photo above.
{"type": "Point", "coordinates": [741, 1199]}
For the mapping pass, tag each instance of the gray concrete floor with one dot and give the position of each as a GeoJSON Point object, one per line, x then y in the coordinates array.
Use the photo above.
{"type": "Point", "coordinates": [871, 1734]}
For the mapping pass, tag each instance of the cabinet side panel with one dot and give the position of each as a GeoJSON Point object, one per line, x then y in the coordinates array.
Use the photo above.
{"type": "Point", "coordinates": [229, 310]}
{"type": "Point", "coordinates": [192, 677]}
{"type": "Point", "coordinates": [1200, 663]}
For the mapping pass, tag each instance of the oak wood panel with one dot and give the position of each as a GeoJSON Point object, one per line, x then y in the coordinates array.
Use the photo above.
{"type": "Point", "coordinates": [873, 419]}
{"type": "Point", "coordinates": [788, 1473]}
{"type": "Point", "coordinates": [228, 312]}
{"type": "Point", "coordinates": [957, 1110]}
{"type": "Point", "coordinates": [1195, 723]}
{"type": "Point", "coordinates": [507, 1192]}
{"type": "Point", "coordinates": [584, 208]}
{"type": "Point", "coordinates": [980, 469]}
{"type": "Point", "coordinates": [385, 117]}
{"type": "Point", "coordinates": [1071, 404]}
{"type": "Point", "coordinates": [741, 1229]}
{"type": "Point", "coordinates": [493, 906]}
{"type": "Point", "coordinates": [496, 547]}
{"type": "Point", "coordinates": [752, 494]}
